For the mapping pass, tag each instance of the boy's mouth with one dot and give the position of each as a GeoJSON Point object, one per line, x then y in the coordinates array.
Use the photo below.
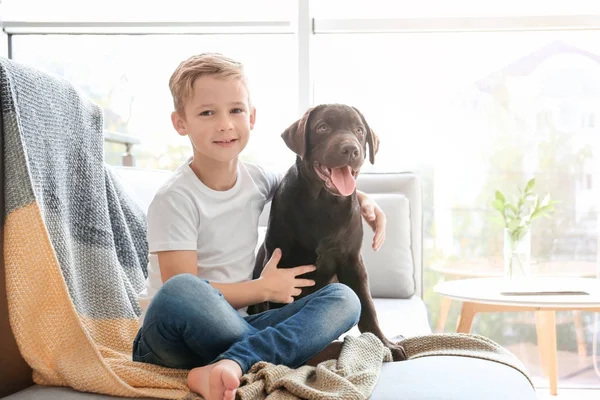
{"type": "Point", "coordinates": [225, 143]}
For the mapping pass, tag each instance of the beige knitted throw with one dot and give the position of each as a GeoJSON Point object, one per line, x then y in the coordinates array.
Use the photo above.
{"type": "Point", "coordinates": [352, 376]}
{"type": "Point", "coordinates": [356, 372]}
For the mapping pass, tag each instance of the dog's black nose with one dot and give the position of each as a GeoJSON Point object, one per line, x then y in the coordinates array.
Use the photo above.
{"type": "Point", "coordinates": [351, 150]}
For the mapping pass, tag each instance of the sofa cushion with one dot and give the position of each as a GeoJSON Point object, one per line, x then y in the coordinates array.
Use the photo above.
{"type": "Point", "coordinates": [406, 317]}
{"type": "Point", "coordinates": [427, 378]}
{"type": "Point", "coordinates": [451, 378]}
{"type": "Point", "coordinates": [391, 269]}
{"type": "Point", "coordinates": [407, 184]}
{"type": "Point", "coordinates": [142, 184]}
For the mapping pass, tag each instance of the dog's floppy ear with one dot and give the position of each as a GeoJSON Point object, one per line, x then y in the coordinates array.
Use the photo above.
{"type": "Point", "coordinates": [372, 139]}
{"type": "Point", "coordinates": [296, 134]}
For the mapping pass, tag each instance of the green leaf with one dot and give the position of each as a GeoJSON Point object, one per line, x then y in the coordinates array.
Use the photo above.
{"type": "Point", "coordinates": [500, 196]}
{"type": "Point", "coordinates": [498, 205]}
{"type": "Point", "coordinates": [530, 185]}
{"type": "Point", "coordinates": [536, 214]}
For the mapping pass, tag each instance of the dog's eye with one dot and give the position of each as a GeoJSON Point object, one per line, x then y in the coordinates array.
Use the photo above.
{"type": "Point", "coordinates": [322, 128]}
{"type": "Point", "coordinates": [360, 131]}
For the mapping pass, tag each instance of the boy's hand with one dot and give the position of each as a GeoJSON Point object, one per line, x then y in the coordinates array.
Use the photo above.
{"type": "Point", "coordinates": [281, 284]}
{"type": "Point", "coordinates": [374, 217]}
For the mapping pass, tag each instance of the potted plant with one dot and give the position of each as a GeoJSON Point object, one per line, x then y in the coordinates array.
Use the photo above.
{"type": "Point", "coordinates": [517, 217]}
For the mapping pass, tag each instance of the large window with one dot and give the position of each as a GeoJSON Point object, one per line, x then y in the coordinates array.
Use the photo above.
{"type": "Point", "coordinates": [477, 112]}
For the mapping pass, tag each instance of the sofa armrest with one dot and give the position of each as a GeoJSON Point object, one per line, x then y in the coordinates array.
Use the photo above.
{"type": "Point", "coordinates": [15, 374]}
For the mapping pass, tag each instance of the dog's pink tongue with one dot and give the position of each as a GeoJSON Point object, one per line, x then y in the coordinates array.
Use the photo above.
{"type": "Point", "coordinates": [343, 180]}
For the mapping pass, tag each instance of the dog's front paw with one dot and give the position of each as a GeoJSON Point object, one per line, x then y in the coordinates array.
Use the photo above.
{"type": "Point", "coordinates": [398, 352]}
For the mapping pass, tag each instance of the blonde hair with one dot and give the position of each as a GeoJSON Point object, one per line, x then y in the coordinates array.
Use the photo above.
{"type": "Point", "coordinates": [199, 65]}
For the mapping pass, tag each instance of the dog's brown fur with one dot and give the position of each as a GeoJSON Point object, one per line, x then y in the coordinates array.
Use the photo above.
{"type": "Point", "coordinates": [310, 222]}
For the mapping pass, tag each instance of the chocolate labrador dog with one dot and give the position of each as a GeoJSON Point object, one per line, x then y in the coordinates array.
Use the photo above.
{"type": "Point", "coordinates": [315, 215]}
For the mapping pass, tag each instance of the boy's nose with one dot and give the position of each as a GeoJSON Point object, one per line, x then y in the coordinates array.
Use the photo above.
{"type": "Point", "coordinates": [225, 124]}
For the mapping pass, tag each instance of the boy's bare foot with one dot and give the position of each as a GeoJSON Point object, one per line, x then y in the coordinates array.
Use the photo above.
{"type": "Point", "coordinates": [216, 381]}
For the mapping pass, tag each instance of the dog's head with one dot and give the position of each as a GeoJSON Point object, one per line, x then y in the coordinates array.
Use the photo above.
{"type": "Point", "coordinates": [333, 139]}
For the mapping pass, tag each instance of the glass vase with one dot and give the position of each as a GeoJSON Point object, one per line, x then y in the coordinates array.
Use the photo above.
{"type": "Point", "coordinates": [517, 255]}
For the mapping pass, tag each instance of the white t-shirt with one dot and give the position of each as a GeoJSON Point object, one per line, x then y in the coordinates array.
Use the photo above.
{"type": "Point", "coordinates": [222, 226]}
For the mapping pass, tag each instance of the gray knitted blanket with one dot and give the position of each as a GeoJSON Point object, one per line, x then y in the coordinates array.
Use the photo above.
{"type": "Point", "coordinates": [53, 153]}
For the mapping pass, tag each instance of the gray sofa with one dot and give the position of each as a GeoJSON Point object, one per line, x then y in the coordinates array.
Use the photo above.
{"type": "Point", "coordinates": [396, 284]}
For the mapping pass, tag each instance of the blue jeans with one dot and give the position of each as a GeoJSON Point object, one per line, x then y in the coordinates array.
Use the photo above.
{"type": "Point", "coordinates": [190, 324]}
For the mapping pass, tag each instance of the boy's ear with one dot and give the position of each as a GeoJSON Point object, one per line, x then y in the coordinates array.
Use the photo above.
{"type": "Point", "coordinates": [178, 123]}
{"type": "Point", "coordinates": [296, 135]}
{"type": "Point", "coordinates": [252, 117]}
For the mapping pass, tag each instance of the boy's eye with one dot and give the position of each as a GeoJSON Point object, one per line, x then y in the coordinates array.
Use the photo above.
{"type": "Point", "coordinates": [206, 113]}
{"type": "Point", "coordinates": [237, 110]}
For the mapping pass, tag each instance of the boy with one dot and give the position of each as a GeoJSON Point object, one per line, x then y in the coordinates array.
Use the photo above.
{"type": "Point", "coordinates": [202, 233]}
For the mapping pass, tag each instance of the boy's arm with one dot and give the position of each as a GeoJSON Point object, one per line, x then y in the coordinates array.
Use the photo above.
{"type": "Point", "coordinates": [177, 262]}
{"type": "Point", "coordinates": [275, 284]}
{"type": "Point", "coordinates": [374, 216]}
{"type": "Point", "coordinates": [239, 295]}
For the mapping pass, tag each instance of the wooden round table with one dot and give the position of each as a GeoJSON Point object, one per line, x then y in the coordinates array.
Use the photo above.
{"type": "Point", "coordinates": [544, 296]}
{"type": "Point", "coordinates": [491, 267]}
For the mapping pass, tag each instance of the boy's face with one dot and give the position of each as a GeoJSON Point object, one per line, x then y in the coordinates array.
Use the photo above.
{"type": "Point", "coordinates": [218, 118]}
